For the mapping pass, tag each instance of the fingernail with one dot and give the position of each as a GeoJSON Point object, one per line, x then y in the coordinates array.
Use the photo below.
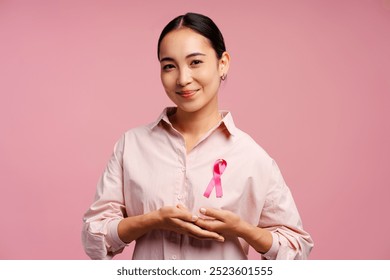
{"type": "Point", "coordinates": [202, 210]}
{"type": "Point", "coordinates": [221, 239]}
{"type": "Point", "coordinates": [194, 218]}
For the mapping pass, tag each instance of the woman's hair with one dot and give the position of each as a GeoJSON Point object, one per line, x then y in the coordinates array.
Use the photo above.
{"type": "Point", "coordinates": [200, 24]}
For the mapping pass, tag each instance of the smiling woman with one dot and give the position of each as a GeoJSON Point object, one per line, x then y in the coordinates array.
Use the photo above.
{"type": "Point", "coordinates": [156, 189]}
{"type": "Point", "coordinates": [191, 74]}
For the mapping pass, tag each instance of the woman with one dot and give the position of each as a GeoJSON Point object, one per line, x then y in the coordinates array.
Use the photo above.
{"type": "Point", "coordinates": [192, 185]}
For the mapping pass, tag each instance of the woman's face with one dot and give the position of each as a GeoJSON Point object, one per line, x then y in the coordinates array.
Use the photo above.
{"type": "Point", "coordinates": [190, 70]}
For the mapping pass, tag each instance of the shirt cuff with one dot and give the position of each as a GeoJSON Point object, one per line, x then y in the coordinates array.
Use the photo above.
{"type": "Point", "coordinates": [273, 251]}
{"type": "Point", "coordinates": [112, 236]}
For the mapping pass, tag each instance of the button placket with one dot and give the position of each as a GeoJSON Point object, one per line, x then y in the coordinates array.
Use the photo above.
{"type": "Point", "coordinates": [179, 195]}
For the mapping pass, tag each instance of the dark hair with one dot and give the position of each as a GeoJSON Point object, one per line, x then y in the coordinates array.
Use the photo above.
{"type": "Point", "coordinates": [200, 24]}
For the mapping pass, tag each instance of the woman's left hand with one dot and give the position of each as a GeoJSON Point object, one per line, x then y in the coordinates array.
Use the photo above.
{"type": "Point", "coordinates": [221, 221]}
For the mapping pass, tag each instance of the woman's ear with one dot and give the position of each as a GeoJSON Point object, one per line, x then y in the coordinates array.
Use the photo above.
{"type": "Point", "coordinates": [224, 63]}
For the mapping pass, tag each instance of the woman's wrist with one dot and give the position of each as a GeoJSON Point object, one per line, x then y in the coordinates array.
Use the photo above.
{"type": "Point", "coordinates": [132, 228]}
{"type": "Point", "coordinates": [260, 239]}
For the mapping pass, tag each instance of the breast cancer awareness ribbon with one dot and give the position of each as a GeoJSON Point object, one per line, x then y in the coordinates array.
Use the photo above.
{"type": "Point", "coordinates": [219, 168]}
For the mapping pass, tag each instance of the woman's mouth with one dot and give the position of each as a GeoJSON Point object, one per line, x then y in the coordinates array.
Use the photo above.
{"type": "Point", "coordinates": [187, 93]}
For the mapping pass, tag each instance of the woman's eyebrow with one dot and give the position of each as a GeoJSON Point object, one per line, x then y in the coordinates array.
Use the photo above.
{"type": "Point", "coordinates": [166, 59]}
{"type": "Point", "coordinates": [187, 56]}
{"type": "Point", "coordinates": [195, 54]}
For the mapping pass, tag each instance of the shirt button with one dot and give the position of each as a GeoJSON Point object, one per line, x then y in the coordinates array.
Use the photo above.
{"type": "Point", "coordinates": [174, 257]}
{"type": "Point", "coordinates": [183, 169]}
{"type": "Point", "coordinates": [179, 197]}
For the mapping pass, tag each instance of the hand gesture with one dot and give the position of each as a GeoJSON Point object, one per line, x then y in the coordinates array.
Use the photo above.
{"type": "Point", "coordinates": [180, 220]}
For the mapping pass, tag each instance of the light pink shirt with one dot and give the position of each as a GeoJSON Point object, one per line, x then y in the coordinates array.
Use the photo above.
{"type": "Point", "coordinates": [150, 168]}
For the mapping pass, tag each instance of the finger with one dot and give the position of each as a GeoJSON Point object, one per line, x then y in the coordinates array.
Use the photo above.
{"type": "Point", "coordinates": [187, 217]}
{"type": "Point", "coordinates": [210, 224]}
{"type": "Point", "coordinates": [193, 230]}
{"type": "Point", "coordinates": [184, 214]}
{"type": "Point", "coordinates": [219, 239]}
{"type": "Point", "coordinates": [181, 206]}
{"type": "Point", "coordinates": [211, 212]}
{"type": "Point", "coordinates": [201, 233]}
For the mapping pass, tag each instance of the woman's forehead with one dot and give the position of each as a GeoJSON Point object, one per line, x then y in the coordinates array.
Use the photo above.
{"type": "Point", "coordinates": [184, 41]}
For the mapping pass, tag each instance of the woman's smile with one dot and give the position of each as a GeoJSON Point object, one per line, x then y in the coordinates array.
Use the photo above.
{"type": "Point", "coordinates": [187, 93]}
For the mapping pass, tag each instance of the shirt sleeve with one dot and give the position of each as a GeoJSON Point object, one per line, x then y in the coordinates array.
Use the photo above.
{"type": "Point", "coordinates": [280, 216]}
{"type": "Point", "coordinates": [99, 234]}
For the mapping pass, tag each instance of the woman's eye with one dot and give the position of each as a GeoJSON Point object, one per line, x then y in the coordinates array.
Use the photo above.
{"type": "Point", "coordinates": [196, 62]}
{"type": "Point", "coordinates": [168, 66]}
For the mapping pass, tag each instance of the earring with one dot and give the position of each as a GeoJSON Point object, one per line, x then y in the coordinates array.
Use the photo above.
{"type": "Point", "coordinates": [223, 77]}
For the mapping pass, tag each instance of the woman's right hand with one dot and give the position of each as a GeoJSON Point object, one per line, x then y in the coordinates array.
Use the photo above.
{"type": "Point", "coordinates": [180, 220]}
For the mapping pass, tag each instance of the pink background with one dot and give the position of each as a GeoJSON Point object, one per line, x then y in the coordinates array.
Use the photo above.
{"type": "Point", "coordinates": [309, 80]}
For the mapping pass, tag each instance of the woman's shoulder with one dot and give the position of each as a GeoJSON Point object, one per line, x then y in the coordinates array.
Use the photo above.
{"type": "Point", "coordinates": [145, 130]}
{"type": "Point", "coordinates": [249, 143]}
{"type": "Point", "coordinates": [138, 133]}
{"type": "Point", "coordinates": [138, 130]}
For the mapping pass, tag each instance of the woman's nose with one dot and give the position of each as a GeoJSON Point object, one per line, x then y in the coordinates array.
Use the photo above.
{"type": "Point", "coordinates": [184, 77]}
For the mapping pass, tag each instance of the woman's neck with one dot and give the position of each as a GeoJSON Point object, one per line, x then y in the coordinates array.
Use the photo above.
{"type": "Point", "coordinates": [195, 124]}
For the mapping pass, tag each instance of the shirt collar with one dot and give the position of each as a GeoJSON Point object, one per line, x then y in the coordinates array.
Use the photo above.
{"type": "Point", "coordinates": [164, 116]}
{"type": "Point", "coordinates": [227, 119]}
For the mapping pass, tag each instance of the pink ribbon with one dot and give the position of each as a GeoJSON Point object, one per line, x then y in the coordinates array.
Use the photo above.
{"type": "Point", "coordinates": [219, 168]}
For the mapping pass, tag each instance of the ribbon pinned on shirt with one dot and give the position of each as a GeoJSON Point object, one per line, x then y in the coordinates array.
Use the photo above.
{"type": "Point", "coordinates": [219, 168]}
